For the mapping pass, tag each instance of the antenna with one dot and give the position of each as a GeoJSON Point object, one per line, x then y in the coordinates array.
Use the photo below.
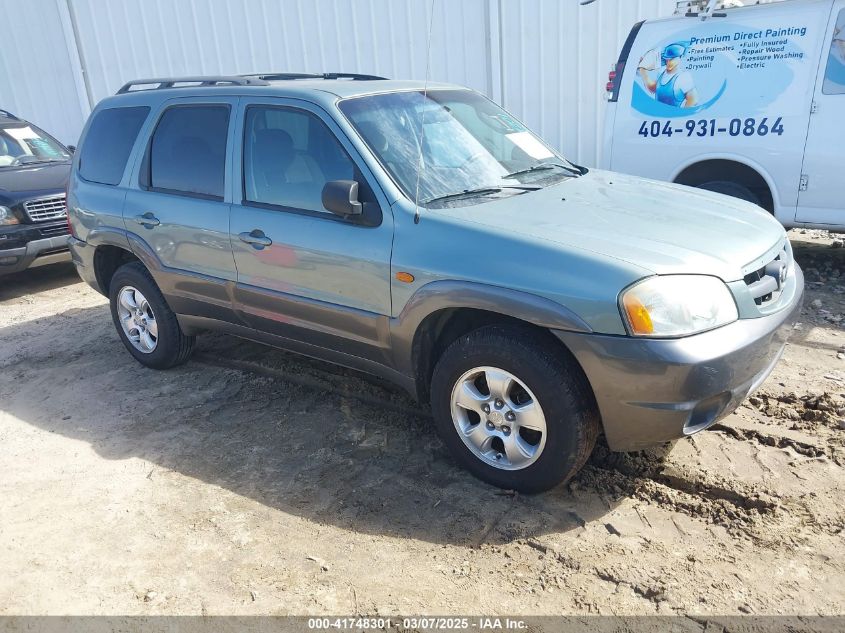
{"type": "Point", "coordinates": [422, 120]}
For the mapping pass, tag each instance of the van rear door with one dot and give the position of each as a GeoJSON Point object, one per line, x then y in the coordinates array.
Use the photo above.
{"type": "Point", "coordinates": [822, 196]}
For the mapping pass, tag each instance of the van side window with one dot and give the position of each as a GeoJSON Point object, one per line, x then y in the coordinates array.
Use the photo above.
{"type": "Point", "coordinates": [289, 155]}
{"type": "Point", "coordinates": [109, 141]}
{"type": "Point", "coordinates": [834, 75]}
{"type": "Point", "coordinates": [188, 150]}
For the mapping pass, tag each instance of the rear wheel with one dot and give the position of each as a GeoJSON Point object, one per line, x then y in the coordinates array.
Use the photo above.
{"type": "Point", "coordinates": [145, 323]}
{"type": "Point", "coordinates": [513, 410]}
{"type": "Point", "coordinates": [732, 189]}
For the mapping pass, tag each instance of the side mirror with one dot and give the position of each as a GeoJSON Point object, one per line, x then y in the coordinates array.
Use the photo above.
{"type": "Point", "coordinates": [71, 149]}
{"type": "Point", "coordinates": [341, 197]}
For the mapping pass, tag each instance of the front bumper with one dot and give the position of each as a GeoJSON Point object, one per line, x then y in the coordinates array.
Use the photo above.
{"type": "Point", "coordinates": [650, 391]}
{"type": "Point", "coordinates": [50, 250]}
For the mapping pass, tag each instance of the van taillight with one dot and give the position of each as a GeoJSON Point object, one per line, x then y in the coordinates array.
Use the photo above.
{"type": "Point", "coordinates": [613, 78]}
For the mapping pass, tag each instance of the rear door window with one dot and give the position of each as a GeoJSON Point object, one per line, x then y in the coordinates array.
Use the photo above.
{"type": "Point", "coordinates": [108, 143]}
{"type": "Point", "coordinates": [187, 153]}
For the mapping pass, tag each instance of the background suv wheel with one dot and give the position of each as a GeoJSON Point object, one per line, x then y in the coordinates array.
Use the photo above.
{"type": "Point", "coordinates": [145, 323]}
{"type": "Point", "coordinates": [514, 410]}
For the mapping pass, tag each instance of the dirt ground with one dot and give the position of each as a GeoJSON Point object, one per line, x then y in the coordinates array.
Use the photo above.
{"type": "Point", "coordinates": [252, 481]}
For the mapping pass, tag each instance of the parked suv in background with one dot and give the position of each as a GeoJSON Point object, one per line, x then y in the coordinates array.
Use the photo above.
{"type": "Point", "coordinates": [423, 234]}
{"type": "Point", "coordinates": [34, 170]}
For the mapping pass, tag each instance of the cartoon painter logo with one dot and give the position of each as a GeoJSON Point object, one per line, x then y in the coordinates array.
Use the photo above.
{"type": "Point", "coordinates": [665, 79]}
{"type": "Point", "coordinates": [673, 86]}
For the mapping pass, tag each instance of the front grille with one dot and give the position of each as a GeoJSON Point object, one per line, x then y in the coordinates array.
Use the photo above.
{"type": "Point", "coordinates": [766, 284]}
{"type": "Point", "coordinates": [53, 208]}
{"type": "Point", "coordinates": [53, 231]}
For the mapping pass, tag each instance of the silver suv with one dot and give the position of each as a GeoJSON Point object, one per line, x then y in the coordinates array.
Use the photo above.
{"type": "Point", "coordinates": [423, 234]}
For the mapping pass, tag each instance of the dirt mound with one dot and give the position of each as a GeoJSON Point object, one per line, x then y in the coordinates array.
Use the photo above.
{"type": "Point", "coordinates": [650, 477]}
{"type": "Point", "coordinates": [803, 412]}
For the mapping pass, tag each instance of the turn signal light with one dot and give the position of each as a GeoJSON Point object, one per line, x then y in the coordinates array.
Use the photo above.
{"type": "Point", "coordinates": [638, 315]}
{"type": "Point", "coordinates": [404, 277]}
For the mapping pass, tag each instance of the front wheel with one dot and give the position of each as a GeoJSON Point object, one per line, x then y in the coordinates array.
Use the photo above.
{"type": "Point", "coordinates": [145, 323]}
{"type": "Point", "coordinates": [513, 409]}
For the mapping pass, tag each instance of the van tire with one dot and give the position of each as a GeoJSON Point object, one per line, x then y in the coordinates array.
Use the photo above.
{"type": "Point", "coordinates": [173, 347]}
{"type": "Point", "coordinates": [553, 377]}
{"type": "Point", "coordinates": [733, 189]}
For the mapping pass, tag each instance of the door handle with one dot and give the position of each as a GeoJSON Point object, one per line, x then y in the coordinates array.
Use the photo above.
{"type": "Point", "coordinates": [256, 238]}
{"type": "Point", "coordinates": [148, 220]}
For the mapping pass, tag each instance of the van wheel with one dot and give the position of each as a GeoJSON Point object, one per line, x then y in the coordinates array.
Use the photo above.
{"type": "Point", "coordinates": [512, 410]}
{"type": "Point", "coordinates": [145, 323]}
{"type": "Point", "coordinates": [732, 189]}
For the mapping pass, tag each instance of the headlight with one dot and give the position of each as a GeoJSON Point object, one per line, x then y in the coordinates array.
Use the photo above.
{"type": "Point", "coordinates": [677, 305]}
{"type": "Point", "coordinates": [7, 217]}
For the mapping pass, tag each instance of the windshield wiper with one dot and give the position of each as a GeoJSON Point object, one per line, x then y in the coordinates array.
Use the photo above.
{"type": "Point", "coordinates": [42, 161]}
{"type": "Point", "coordinates": [466, 192]}
{"type": "Point", "coordinates": [479, 191]}
{"type": "Point", "coordinates": [543, 167]}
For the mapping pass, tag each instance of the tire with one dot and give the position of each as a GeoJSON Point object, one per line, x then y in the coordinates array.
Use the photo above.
{"type": "Point", "coordinates": [542, 375]}
{"type": "Point", "coordinates": [133, 283]}
{"type": "Point", "coordinates": [733, 189]}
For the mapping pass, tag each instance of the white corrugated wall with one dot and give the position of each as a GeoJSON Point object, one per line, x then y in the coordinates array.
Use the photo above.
{"type": "Point", "coordinates": [39, 79]}
{"type": "Point", "coordinates": [544, 60]}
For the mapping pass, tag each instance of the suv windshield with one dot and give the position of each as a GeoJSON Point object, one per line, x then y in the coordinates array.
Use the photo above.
{"type": "Point", "coordinates": [467, 148]}
{"type": "Point", "coordinates": [23, 144]}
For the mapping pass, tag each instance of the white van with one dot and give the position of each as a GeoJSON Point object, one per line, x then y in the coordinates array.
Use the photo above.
{"type": "Point", "coordinates": [745, 101]}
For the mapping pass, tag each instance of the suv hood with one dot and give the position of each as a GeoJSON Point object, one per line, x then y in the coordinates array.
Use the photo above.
{"type": "Point", "coordinates": [34, 177]}
{"type": "Point", "coordinates": [658, 226]}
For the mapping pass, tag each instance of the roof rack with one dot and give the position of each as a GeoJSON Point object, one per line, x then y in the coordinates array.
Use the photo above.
{"type": "Point", "coordinates": [8, 115]}
{"type": "Point", "coordinates": [291, 76]}
{"type": "Point", "coordinates": [169, 82]}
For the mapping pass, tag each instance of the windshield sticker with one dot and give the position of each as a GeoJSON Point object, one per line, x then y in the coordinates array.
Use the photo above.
{"type": "Point", "coordinates": [21, 133]}
{"type": "Point", "coordinates": [834, 75]}
{"type": "Point", "coordinates": [507, 122]}
{"type": "Point", "coordinates": [716, 66]}
{"type": "Point", "coordinates": [529, 144]}
{"type": "Point", "coordinates": [42, 148]}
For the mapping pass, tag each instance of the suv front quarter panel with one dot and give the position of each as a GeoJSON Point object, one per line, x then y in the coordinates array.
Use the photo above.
{"type": "Point", "coordinates": [443, 247]}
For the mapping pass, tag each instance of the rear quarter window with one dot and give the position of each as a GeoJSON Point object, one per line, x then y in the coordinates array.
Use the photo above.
{"type": "Point", "coordinates": [108, 143]}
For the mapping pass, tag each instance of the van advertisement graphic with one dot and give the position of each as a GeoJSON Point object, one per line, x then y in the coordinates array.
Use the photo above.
{"type": "Point", "coordinates": [732, 74]}
{"type": "Point", "coordinates": [834, 74]}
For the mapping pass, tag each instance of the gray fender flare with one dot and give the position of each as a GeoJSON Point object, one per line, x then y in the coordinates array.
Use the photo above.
{"type": "Point", "coordinates": [442, 295]}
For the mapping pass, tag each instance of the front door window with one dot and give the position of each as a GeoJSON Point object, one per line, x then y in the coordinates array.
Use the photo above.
{"type": "Point", "coordinates": [289, 155]}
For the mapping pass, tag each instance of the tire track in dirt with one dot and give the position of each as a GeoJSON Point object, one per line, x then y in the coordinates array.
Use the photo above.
{"type": "Point", "coordinates": [739, 511]}
{"type": "Point", "coordinates": [774, 441]}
